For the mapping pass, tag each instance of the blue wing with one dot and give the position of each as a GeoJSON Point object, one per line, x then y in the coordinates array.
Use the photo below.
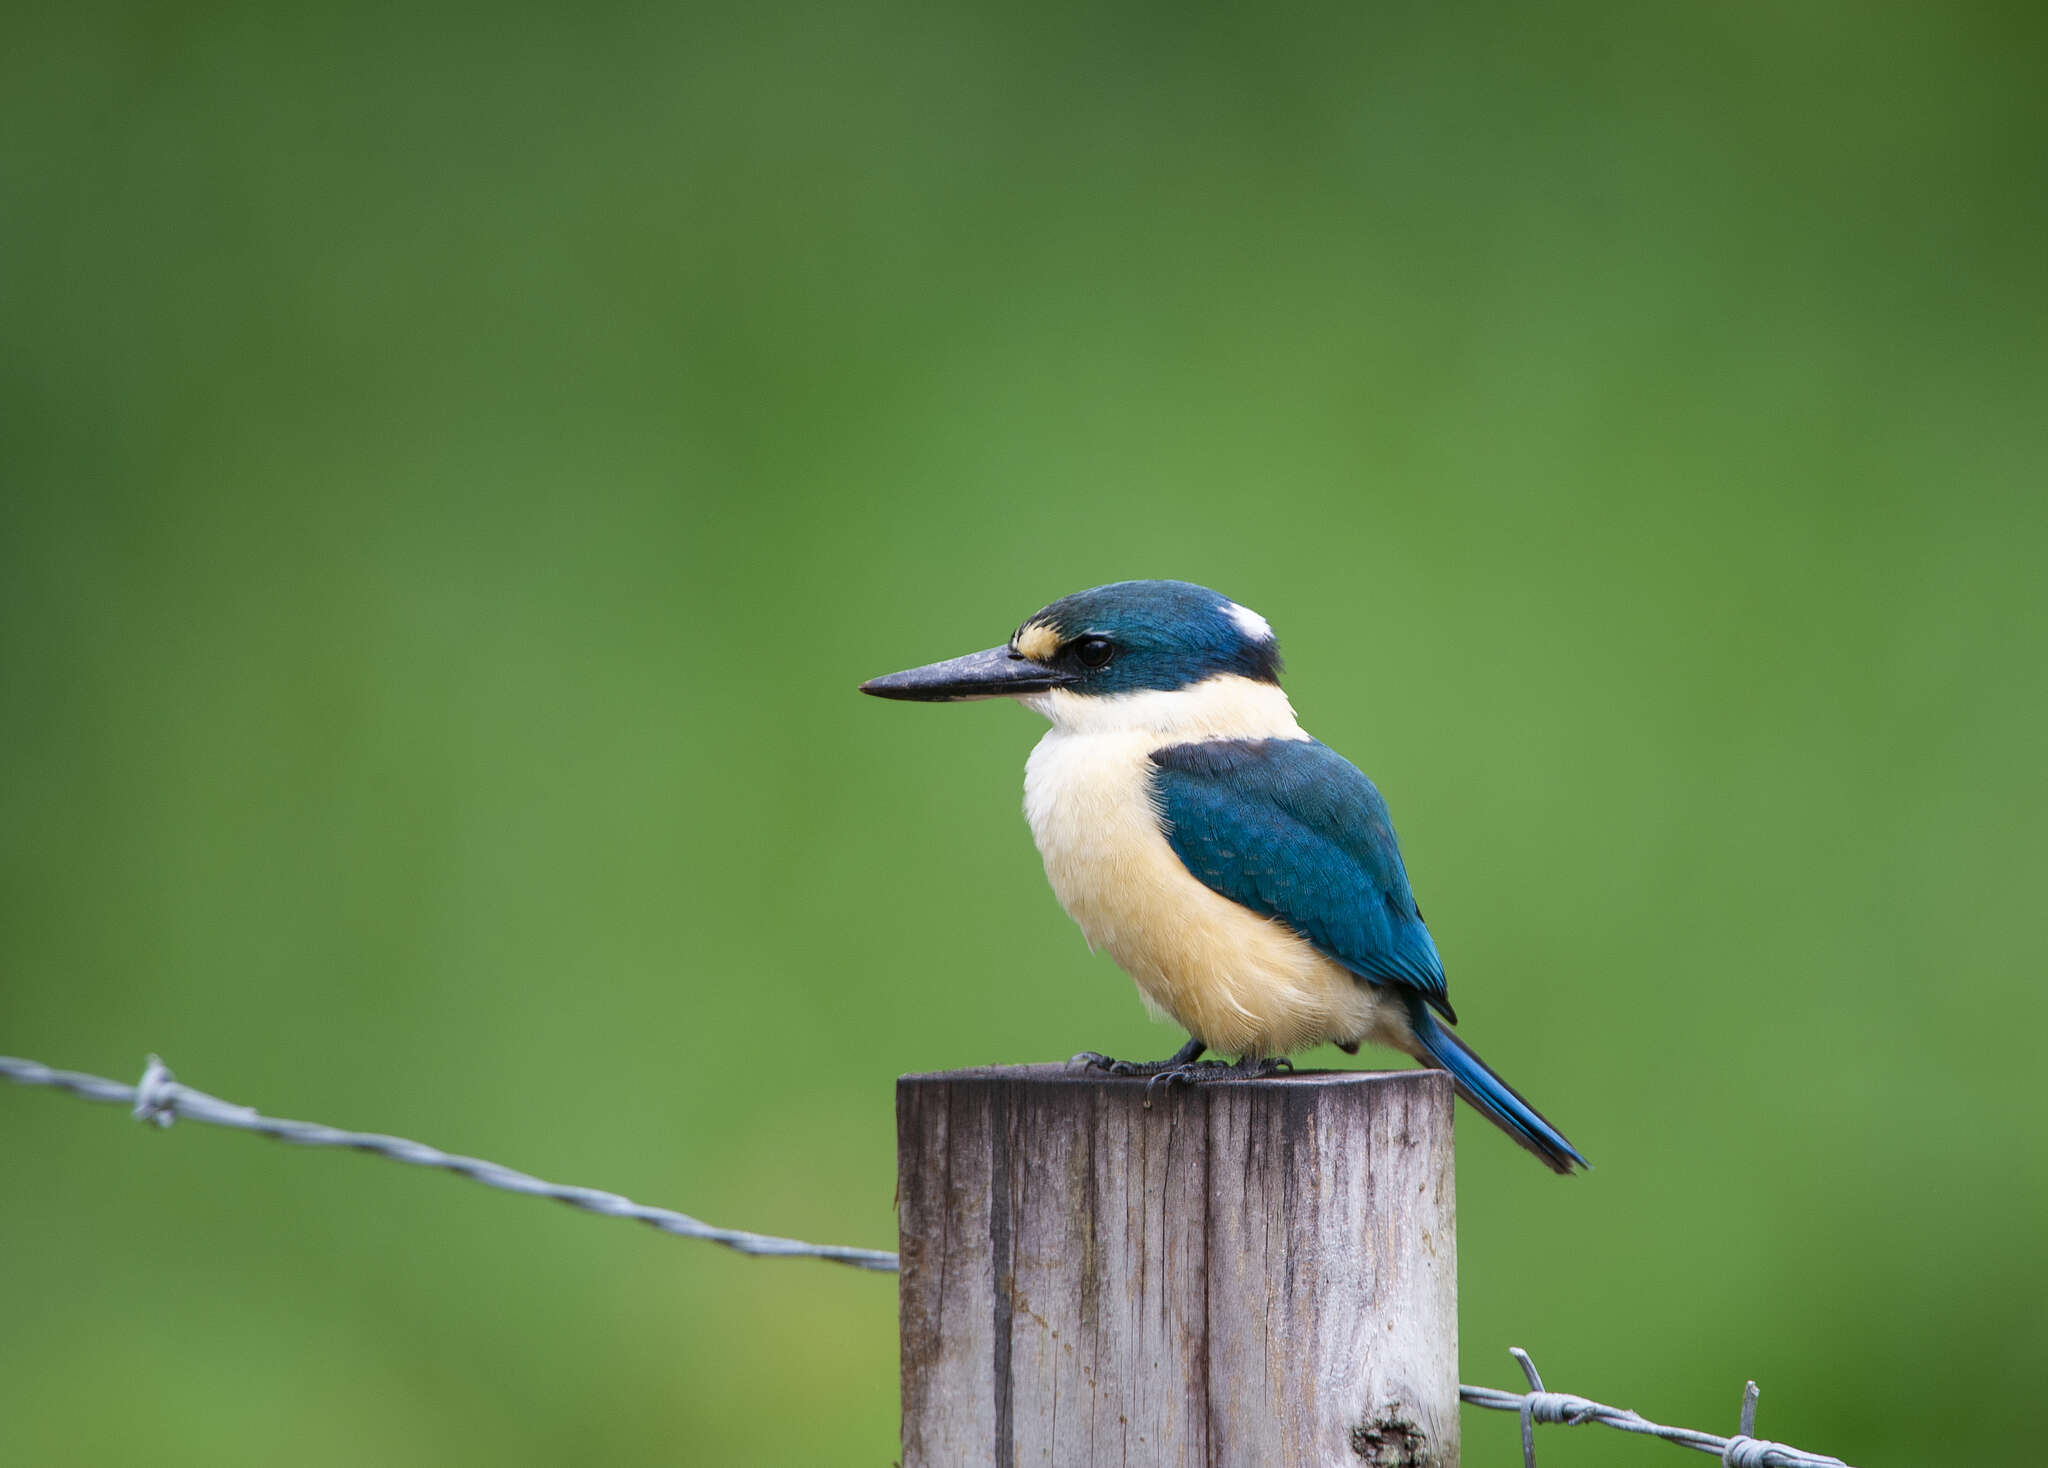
{"type": "Point", "coordinates": [1292, 830]}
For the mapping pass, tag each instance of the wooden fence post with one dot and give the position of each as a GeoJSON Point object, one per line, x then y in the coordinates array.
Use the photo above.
{"type": "Point", "coordinates": [1251, 1273]}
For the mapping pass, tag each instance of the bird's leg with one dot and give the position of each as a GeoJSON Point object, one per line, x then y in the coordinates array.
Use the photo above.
{"type": "Point", "coordinates": [1186, 1056]}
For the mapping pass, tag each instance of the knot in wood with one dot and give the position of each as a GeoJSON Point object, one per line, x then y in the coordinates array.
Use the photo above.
{"type": "Point", "coordinates": [1390, 1440]}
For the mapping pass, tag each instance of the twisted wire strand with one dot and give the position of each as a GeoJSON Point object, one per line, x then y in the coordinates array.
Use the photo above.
{"type": "Point", "coordinates": [160, 1099]}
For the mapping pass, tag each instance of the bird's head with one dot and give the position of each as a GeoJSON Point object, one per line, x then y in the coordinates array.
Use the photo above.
{"type": "Point", "coordinates": [1129, 637]}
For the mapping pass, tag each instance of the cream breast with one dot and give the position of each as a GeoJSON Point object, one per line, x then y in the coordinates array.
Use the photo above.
{"type": "Point", "coordinates": [1239, 982]}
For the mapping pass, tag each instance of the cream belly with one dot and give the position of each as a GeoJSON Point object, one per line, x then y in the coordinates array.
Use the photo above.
{"type": "Point", "coordinates": [1240, 983]}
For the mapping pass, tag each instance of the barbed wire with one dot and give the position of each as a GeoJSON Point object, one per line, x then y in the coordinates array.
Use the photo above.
{"type": "Point", "coordinates": [1537, 1405]}
{"type": "Point", "coordinates": [160, 1099]}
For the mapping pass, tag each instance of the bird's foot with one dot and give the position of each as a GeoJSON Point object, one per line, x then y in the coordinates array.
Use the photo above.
{"type": "Point", "coordinates": [1186, 1055]}
{"type": "Point", "coordinates": [1194, 1073]}
{"type": "Point", "coordinates": [1090, 1060]}
{"type": "Point", "coordinates": [1202, 1072]}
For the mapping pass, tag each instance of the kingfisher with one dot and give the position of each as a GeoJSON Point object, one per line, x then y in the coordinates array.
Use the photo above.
{"type": "Point", "coordinates": [1245, 875]}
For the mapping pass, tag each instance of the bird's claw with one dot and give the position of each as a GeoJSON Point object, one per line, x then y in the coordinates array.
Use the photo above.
{"type": "Point", "coordinates": [1091, 1060]}
{"type": "Point", "coordinates": [1191, 1074]}
{"type": "Point", "coordinates": [1094, 1060]}
{"type": "Point", "coordinates": [1182, 1069]}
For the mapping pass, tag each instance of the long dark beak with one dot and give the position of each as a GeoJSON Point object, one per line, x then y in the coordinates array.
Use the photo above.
{"type": "Point", "coordinates": [998, 673]}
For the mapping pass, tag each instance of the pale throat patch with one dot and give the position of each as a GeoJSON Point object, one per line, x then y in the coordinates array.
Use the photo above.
{"type": "Point", "coordinates": [1036, 641]}
{"type": "Point", "coordinates": [1226, 706]}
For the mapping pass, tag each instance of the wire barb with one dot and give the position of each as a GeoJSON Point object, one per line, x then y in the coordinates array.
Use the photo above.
{"type": "Point", "coordinates": [159, 1099]}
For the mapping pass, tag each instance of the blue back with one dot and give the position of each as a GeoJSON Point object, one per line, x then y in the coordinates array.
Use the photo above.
{"type": "Point", "coordinates": [1292, 830]}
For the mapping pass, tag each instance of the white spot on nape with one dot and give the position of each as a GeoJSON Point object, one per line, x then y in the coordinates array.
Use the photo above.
{"type": "Point", "coordinates": [1249, 622]}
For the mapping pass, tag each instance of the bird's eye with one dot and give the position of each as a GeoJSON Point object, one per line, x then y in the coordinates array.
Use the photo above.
{"type": "Point", "coordinates": [1094, 651]}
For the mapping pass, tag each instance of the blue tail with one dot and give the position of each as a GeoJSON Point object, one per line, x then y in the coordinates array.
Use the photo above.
{"type": "Point", "coordinates": [1494, 1097]}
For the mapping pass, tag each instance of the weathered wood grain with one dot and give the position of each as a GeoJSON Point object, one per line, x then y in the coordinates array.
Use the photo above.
{"type": "Point", "coordinates": [1251, 1273]}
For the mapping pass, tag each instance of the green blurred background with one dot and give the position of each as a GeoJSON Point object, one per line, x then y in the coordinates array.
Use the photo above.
{"type": "Point", "coordinates": [455, 463]}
